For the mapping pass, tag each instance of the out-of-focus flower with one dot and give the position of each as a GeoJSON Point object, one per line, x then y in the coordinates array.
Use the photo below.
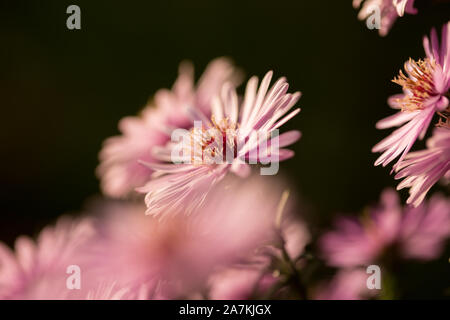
{"type": "Point", "coordinates": [347, 284]}
{"type": "Point", "coordinates": [119, 169]}
{"type": "Point", "coordinates": [37, 270]}
{"type": "Point", "coordinates": [422, 169]}
{"type": "Point", "coordinates": [227, 142]}
{"type": "Point", "coordinates": [256, 277]}
{"type": "Point", "coordinates": [173, 257]}
{"type": "Point", "coordinates": [414, 232]}
{"type": "Point", "coordinates": [124, 254]}
{"type": "Point", "coordinates": [424, 230]}
{"type": "Point", "coordinates": [425, 87]}
{"type": "Point", "coordinates": [357, 242]}
{"type": "Point", "coordinates": [389, 11]}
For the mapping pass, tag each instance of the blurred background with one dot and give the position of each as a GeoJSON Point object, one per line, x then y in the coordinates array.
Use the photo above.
{"type": "Point", "coordinates": [63, 92]}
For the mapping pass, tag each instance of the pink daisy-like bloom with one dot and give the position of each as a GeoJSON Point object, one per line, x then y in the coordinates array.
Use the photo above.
{"type": "Point", "coordinates": [355, 242]}
{"type": "Point", "coordinates": [173, 257]}
{"type": "Point", "coordinates": [389, 11]}
{"type": "Point", "coordinates": [425, 229]}
{"type": "Point", "coordinates": [422, 169]}
{"type": "Point", "coordinates": [237, 134]}
{"type": "Point", "coordinates": [418, 233]}
{"type": "Point", "coordinates": [38, 270]}
{"type": "Point", "coordinates": [119, 170]}
{"type": "Point", "coordinates": [425, 86]}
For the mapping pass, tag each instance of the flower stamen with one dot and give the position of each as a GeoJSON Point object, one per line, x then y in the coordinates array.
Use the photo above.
{"type": "Point", "coordinates": [418, 83]}
{"type": "Point", "coordinates": [213, 145]}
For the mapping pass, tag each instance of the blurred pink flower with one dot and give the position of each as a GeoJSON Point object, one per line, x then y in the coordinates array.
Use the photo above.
{"type": "Point", "coordinates": [124, 254]}
{"type": "Point", "coordinates": [361, 242]}
{"type": "Point", "coordinates": [425, 87]}
{"type": "Point", "coordinates": [424, 230]}
{"type": "Point", "coordinates": [37, 270]}
{"type": "Point", "coordinates": [254, 278]}
{"type": "Point", "coordinates": [358, 242]}
{"type": "Point", "coordinates": [422, 169]}
{"type": "Point", "coordinates": [230, 133]}
{"type": "Point", "coordinates": [389, 11]}
{"type": "Point", "coordinates": [175, 256]}
{"type": "Point", "coordinates": [347, 284]}
{"type": "Point", "coordinates": [119, 169]}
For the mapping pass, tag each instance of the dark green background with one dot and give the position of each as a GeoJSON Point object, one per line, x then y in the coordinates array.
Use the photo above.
{"type": "Point", "coordinates": [62, 92]}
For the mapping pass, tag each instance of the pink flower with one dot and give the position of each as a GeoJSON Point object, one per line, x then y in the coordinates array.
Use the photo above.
{"type": "Point", "coordinates": [173, 257]}
{"type": "Point", "coordinates": [361, 242]}
{"type": "Point", "coordinates": [389, 11]}
{"type": "Point", "coordinates": [424, 229]}
{"type": "Point", "coordinates": [347, 284]}
{"type": "Point", "coordinates": [38, 270]}
{"type": "Point", "coordinates": [425, 87]}
{"type": "Point", "coordinates": [124, 254]}
{"type": "Point", "coordinates": [422, 169]}
{"type": "Point", "coordinates": [119, 169]}
{"type": "Point", "coordinates": [236, 134]}
{"type": "Point", "coordinates": [254, 278]}
{"type": "Point", "coordinates": [358, 242]}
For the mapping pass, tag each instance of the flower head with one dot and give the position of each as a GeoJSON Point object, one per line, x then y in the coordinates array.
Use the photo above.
{"type": "Point", "coordinates": [417, 233]}
{"type": "Point", "coordinates": [356, 242]}
{"type": "Point", "coordinates": [424, 229]}
{"type": "Point", "coordinates": [237, 134]}
{"type": "Point", "coordinates": [425, 85]}
{"type": "Point", "coordinates": [389, 11]}
{"type": "Point", "coordinates": [119, 169]}
{"type": "Point", "coordinates": [37, 270]}
{"type": "Point", "coordinates": [173, 257]}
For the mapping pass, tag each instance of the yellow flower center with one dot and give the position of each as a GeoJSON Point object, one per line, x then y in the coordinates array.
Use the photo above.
{"type": "Point", "coordinates": [214, 145]}
{"type": "Point", "coordinates": [418, 83]}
